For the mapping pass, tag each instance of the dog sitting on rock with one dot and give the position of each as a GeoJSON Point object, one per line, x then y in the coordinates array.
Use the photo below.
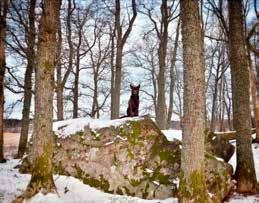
{"type": "Point", "coordinates": [133, 104]}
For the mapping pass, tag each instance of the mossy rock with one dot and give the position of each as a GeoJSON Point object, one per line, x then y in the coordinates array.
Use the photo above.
{"type": "Point", "coordinates": [133, 158]}
{"type": "Point", "coordinates": [219, 146]}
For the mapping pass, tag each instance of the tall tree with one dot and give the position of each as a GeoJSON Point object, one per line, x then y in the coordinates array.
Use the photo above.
{"type": "Point", "coordinates": [42, 149]}
{"type": "Point", "coordinates": [61, 81]}
{"type": "Point", "coordinates": [30, 55]}
{"type": "Point", "coordinates": [3, 14]}
{"type": "Point", "coordinates": [192, 182]}
{"type": "Point", "coordinates": [79, 26]}
{"type": "Point", "coordinates": [162, 50]}
{"type": "Point", "coordinates": [172, 82]}
{"type": "Point", "coordinates": [70, 10]}
{"type": "Point", "coordinates": [220, 68]}
{"type": "Point", "coordinates": [163, 37]}
{"type": "Point", "coordinates": [245, 171]}
{"type": "Point", "coordinates": [160, 26]}
{"type": "Point", "coordinates": [82, 47]}
{"type": "Point", "coordinates": [98, 57]}
{"type": "Point", "coordinates": [121, 39]}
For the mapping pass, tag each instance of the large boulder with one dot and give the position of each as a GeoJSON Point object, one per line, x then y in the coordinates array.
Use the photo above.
{"type": "Point", "coordinates": [219, 146]}
{"type": "Point", "coordinates": [129, 156]}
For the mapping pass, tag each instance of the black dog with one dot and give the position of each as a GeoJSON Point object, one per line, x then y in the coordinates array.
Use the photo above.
{"type": "Point", "coordinates": [133, 105]}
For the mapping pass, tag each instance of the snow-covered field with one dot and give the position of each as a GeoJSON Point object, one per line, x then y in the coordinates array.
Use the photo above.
{"type": "Point", "coordinates": [72, 190]}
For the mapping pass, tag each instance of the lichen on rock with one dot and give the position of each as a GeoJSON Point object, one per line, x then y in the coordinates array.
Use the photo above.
{"type": "Point", "coordinates": [133, 158]}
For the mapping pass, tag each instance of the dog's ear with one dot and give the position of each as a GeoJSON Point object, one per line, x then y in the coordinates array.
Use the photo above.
{"type": "Point", "coordinates": [131, 86]}
{"type": "Point", "coordinates": [138, 86]}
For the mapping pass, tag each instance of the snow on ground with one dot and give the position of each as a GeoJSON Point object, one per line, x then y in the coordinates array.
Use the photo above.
{"type": "Point", "coordinates": [70, 190]}
{"type": "Point", "coordinates": [255, 148]}
{"type": "Point", "coordinates": [175, 117]}
{"type": "Point", "coordinates": [68, 127]}
{"type": "Point", "coordinates": [237, 198]}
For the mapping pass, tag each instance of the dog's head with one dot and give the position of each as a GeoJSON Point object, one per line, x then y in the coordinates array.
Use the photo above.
{"type": "Point", "coordinates": [134, 89]}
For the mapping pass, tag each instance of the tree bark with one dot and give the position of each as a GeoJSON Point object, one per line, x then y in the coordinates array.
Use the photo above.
{"type": "Point", "coordinates": [252, 86]}
{"type": "Point", "coordinates": [3, 13]}
{"type": "Point", "coordinates": [77, 72]}
{"type": "Point", "coordinates": [214, 102]}
{"type": "Point", "coordinates": [120, 42]}
{"type": "Point", "coordinates": [59, 87]}
{"type": "Point", "coordinates": [245, 171]}
{"type": "Point", "coordinates": [112, 70]}
{"type": "Point", "coordinates": [118, 63]}
{"type": "Point", "coordinates": [222, 103]}
{"type": "Point", "coordinates": [162, 51]}
{"type": "Point", "coordinates": [257, 84]}
{"type": "Point", "coordinates": [42, 149]}
{"type": "Point", "coordinates": [255, 89]}
{"type": "Point", "coordinates": [75, 89]}
{"type": "Point", "coordinates": [213, 109]}
{"type": "Point", "coordinates": [28, 81]}
{"type": "Point", "coordinates": [95, 106]}
{"type": "Point", "coordinates": [173, 61]}
{"type": "Point", "coordinates": [192, 183]}
{"type": "Point", "coordinates": [60, 82]}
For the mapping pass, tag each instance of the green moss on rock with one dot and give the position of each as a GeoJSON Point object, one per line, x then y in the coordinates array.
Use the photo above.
{"type": "Point", "coordinates": [100, 183]}
{"type": "Point", "coordinates": [193, 188]}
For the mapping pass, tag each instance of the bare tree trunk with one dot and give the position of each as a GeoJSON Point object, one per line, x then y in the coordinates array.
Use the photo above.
{"type": "Point", "coordinates": [213, 109]}
{"type": "Point", "coordinates": [121, 40]}
{"type": "Point", "coordinates": [228, 106]}
{"type": "Point", "coordinates": [118, 63]}
{"type": "Point", "coordinates": [173, 61]}
{"type": "Point", "coordinates": [28, 81]}
{"type": "Point", "coordinates": [161, 112]}
{"type": "Point", "coordinates": [3, 13]}
{"type": "Point", "coordinates": [76, 81]}
{"type": "Point", "coordinates": [60, 82]}
{"type": "Point", "coordinates": [222, 104]}
{"type": "Point", "coordinates": [253, 95]}
{"type": "Point", "coordinates": [223, 87]}
{"type": "Point", "coordinates": [95, 97]}
{"type": "Point", "coordinates": [117, 83]}
{"type": "Point", "coordinates": [70, 43]}
{"type": "Point", "coordinates": [245, 171]}
{"type": "Point", "coordinates": [59, 87]}
{"type": "Point", "coordinates": [192, 183]}
{"type": "Point", "coordinates": [75, 92]}
{"type": "Point", "coordinates": [154, 82]}
{"type": "Point", "coordinates": [42, 179]}
{"type": "Point", "coordinates": [77, 75]}
{"type": "Point", "coordinates": [112, 73]}
{"type": "Point", "coordinates": [218, 76]}
{"type": "Point", "coordinates": [257, 79]}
